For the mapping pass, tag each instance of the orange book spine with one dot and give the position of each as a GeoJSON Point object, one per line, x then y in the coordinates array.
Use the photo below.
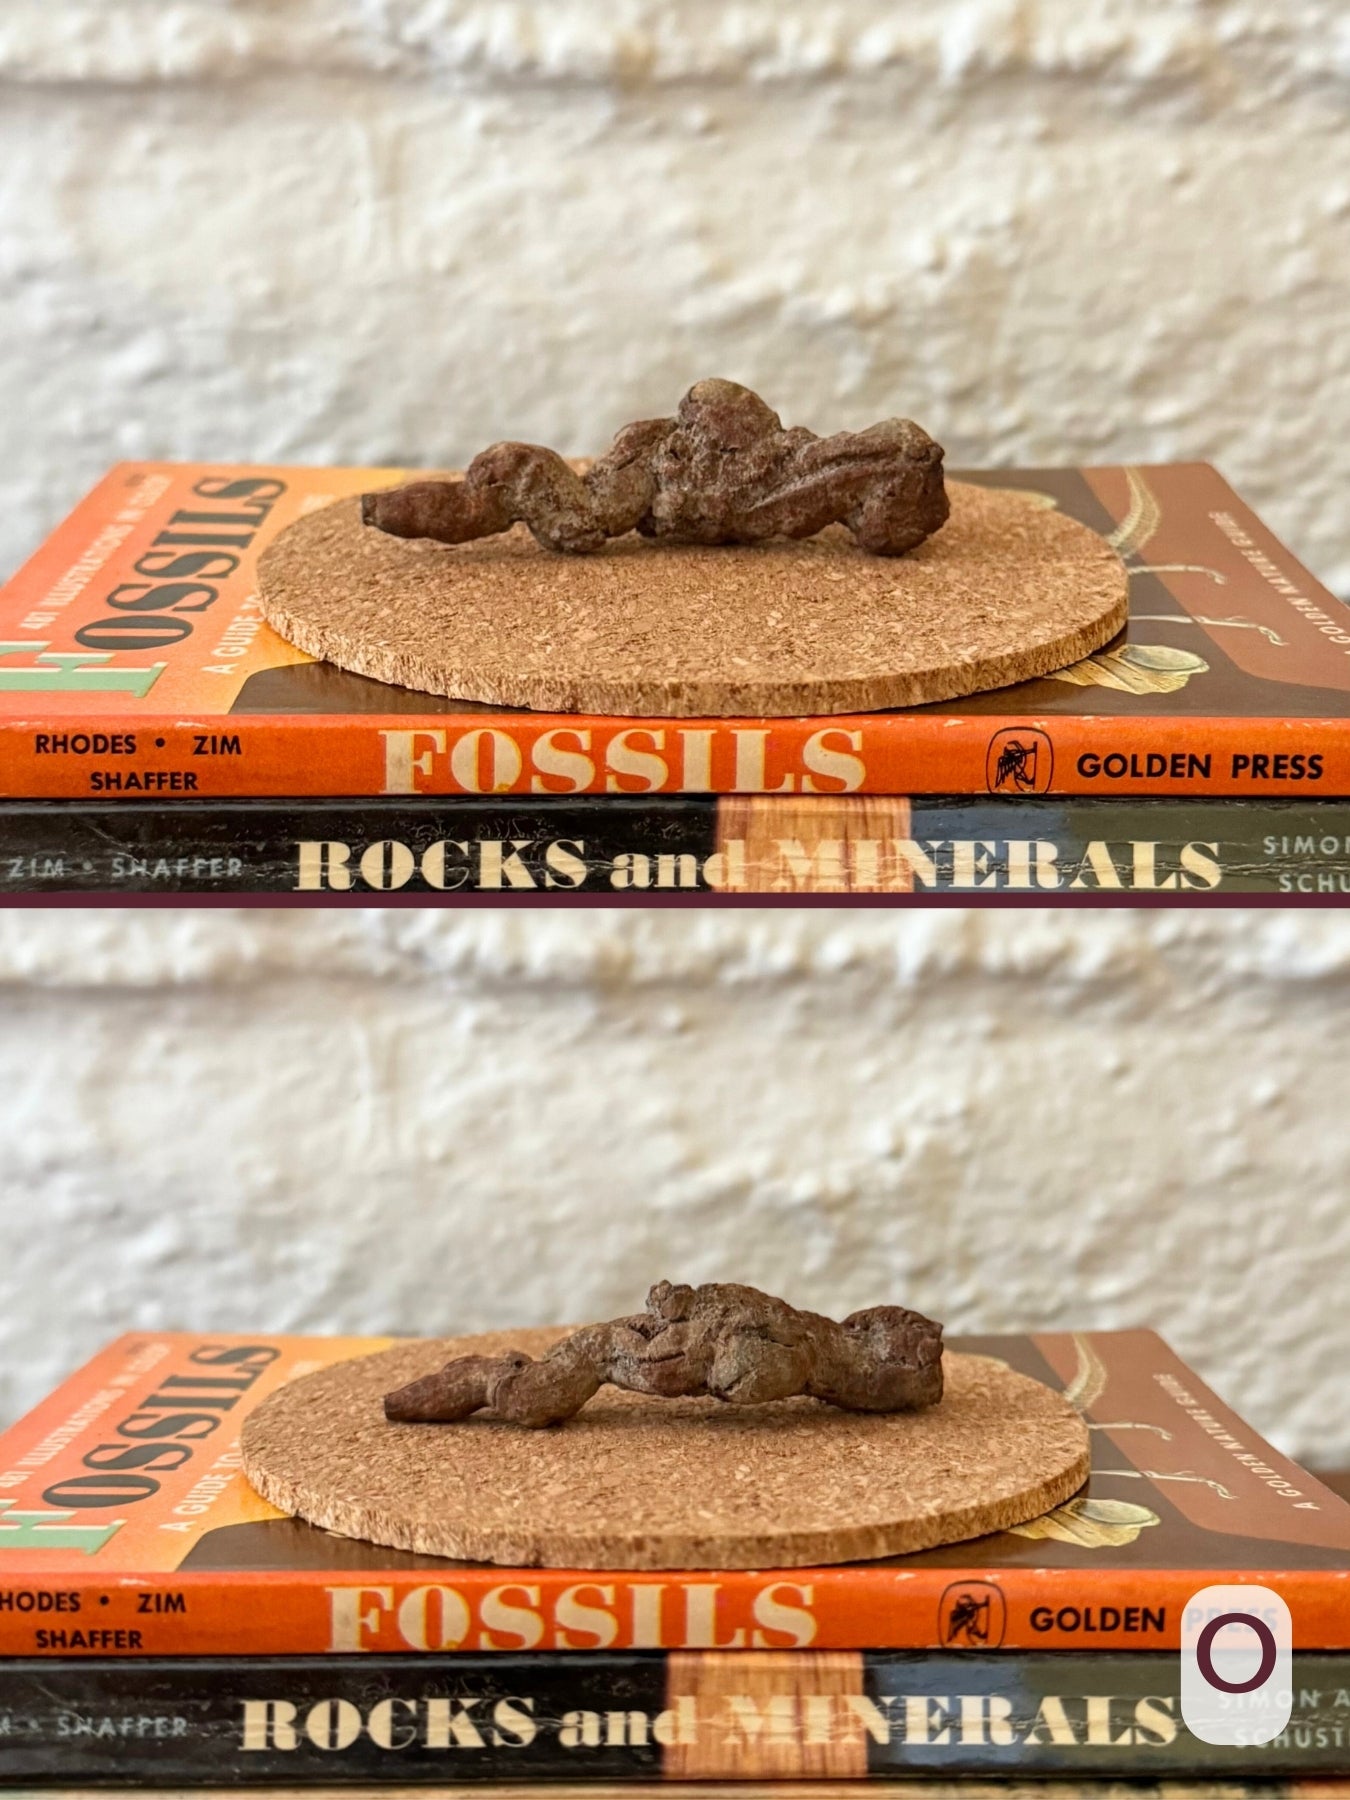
{"type": "Point", "coordinates": [478, 1610]}
{"type": "Point", "coordinates": [540, 755]}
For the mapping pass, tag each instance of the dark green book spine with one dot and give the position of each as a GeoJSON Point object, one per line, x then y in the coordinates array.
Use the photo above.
{"type": "Point", "coordinates": [636, 849]}
{"type": "Point", "coordinates": [635, 1716]}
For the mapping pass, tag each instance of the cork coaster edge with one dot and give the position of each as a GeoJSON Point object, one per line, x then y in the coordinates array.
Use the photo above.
{"type": "Point", "coordinates": [654, 698]}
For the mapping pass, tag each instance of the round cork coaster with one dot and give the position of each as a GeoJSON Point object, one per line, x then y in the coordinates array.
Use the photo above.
{"type": "Point", "coordinates": [636, 1483]}
{"type": "Point", "coordinates": [1005, 591]}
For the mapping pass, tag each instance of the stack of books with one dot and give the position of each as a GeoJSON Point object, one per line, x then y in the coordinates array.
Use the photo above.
{"type": "Point", "coordinates": [161, 1624]}
{"type": "Point", "coordinates": [157, 737]}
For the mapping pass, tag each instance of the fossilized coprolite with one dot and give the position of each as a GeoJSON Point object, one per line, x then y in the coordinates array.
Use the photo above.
{"type": "Point", "coordinates": [722, 471]}
{"type": "Point", "coordinates": [729, 1342]}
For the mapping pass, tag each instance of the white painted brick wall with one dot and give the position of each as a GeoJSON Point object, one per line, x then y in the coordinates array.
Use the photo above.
{"type": "Point", "coordinates": [388, 230]}
{"type": "Point", "coordinates": [425, 1121]}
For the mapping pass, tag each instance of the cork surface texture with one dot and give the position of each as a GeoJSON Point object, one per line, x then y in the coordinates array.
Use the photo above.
{"type": "Point", "coordinates": [636, 1483]}
{"type": "Point", "coordinates": [1004, 592]}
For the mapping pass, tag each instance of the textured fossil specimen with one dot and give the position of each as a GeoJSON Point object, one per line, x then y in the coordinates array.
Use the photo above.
{"type": "Point", "coordinates": [722, 471]}
{"type": "Point", "coordinates": [730, 1342]}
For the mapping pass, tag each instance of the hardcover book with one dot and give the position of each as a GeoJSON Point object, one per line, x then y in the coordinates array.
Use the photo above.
{"type": "Point", "coordinates": [918, 1787]}
{"type": "Point", "coordinates": [631, 850]}
{"type": "Point", "coordinates": [634, 1715]}
{"type": "Point", "coordinates": [127, 1530]}
{"type": "Point", "coordinates": [134, 663]}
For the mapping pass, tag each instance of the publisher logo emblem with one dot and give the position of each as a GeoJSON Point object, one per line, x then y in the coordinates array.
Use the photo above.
{"type": "Point", "coordinates": [1237, 1665]}
{"type": "Point", "coordinates": [973, 1615]}
{"type": "Point", "coordinates": [1020, 761]}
